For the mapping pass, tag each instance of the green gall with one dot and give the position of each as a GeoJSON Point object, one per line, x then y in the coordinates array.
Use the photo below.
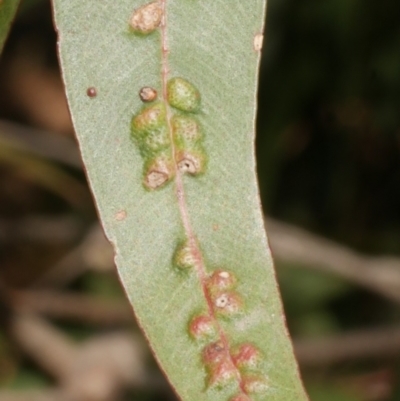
{"type": "Point", "coordinates": [186, 130]}
{"type": "Point", "coordinates": [155, 141]}
{"type": "Point", "coordinates": [184, 257]}
{"type": "Point", "coordinates": [182, 95]}
{"type": "Point", "coordinates": [150, 129]}
{"type": "Point", "coordinates": [149, 118]}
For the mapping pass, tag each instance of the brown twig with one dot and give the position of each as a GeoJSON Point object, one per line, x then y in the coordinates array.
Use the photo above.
{"type": "Point", "coordinates": [46, 345]}
{"type": "Point", "coordinates": [40, 143]}
{"type": "Point", "coordinates": [76, 307]}
{"type": "Point", "coordinates": [94, 252]}
{"type": "Point", "coordinates": [95, 370]}
{"type": "Point", "coordinates": [34, 395]}
{"type": "Point", "coordinates": [359, 345]}
{"type": "Point", "coordinates": [290, 244]}
{"type": "Point", "coordinates": [40, 229]}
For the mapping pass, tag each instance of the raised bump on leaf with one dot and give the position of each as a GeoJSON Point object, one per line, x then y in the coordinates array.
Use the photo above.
{"type": "Point", "coordinates": [149, 118]}
{"type": "Point", "coordinates": [246, 356]}
{"type": "Point", "coordinates": [218, 362]}
{"type": "Point", "coordinates": [183, 95]}
{"type": "Point", "coordinates": [215, 353]}
{"type": "Point", "coordinates": [255, 384]}
{"type": "Point", "coordinates": [150, 130]}
{"type": "Point", "coordinates": [191, 161]}
{"type": "Point", "coordinates": [186, 130]}
{"type": "Point", "coordinates": [91, 92]}
{"type": "Point", "coordinates": [184, 257]}
{"type": "Point", "coordinates": [158, 171]}
{"type": "Point", "coordinates": [202, 327]}
{"type": "Point", "coordinates": [147, 94]}
{"type": "Point", "coordinates": [221, 374]}
{"type": "Point", "coordinates": [227, 303]}
{"type": "Point", "coordinates": [154, 141]}
{"type": "Point", "coordinates": [221, 280]}
{"type": "Point", "coordinates": [146, 18]}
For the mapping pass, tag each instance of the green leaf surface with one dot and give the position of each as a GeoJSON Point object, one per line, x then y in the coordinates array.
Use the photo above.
{"type": "Point", "coordinates": [8, 9]}
{"type": "Point", "coordinates": [216, 211]}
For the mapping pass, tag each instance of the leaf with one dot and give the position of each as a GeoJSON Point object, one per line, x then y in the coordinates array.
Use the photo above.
{"type": "Point", "coordinates": [208, 222]}
{"type": "Point", "coordinates": [8, 9]}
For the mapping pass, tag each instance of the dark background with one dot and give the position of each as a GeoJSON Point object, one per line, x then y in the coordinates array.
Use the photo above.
{"type": "Point", "coordinates": [328, 160]}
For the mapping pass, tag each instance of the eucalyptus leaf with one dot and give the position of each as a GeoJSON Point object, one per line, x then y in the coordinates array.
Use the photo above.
{"type": "Point", "coordinates": [182, 211]}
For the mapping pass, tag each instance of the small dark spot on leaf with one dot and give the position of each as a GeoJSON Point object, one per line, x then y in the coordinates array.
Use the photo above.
{"type": "Point", "coordinates": [91, 92]}
{"type": "Point", "coordinates": [120, 215]}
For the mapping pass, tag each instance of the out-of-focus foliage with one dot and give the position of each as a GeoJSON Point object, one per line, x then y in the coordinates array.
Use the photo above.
{"type": "Point", "coordinates": [329, 118]}
{"type": "Point", "coordinates": [8, 9]}
{"type": "Point", "coordinates": [329, 148]}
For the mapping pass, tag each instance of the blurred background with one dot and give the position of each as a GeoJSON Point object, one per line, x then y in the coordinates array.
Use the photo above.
{"type": "Point", "coordinates": [328, 160]}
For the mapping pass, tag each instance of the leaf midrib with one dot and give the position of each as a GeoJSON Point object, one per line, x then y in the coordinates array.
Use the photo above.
{"type": "Point", "coordinates": [182, 203]}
